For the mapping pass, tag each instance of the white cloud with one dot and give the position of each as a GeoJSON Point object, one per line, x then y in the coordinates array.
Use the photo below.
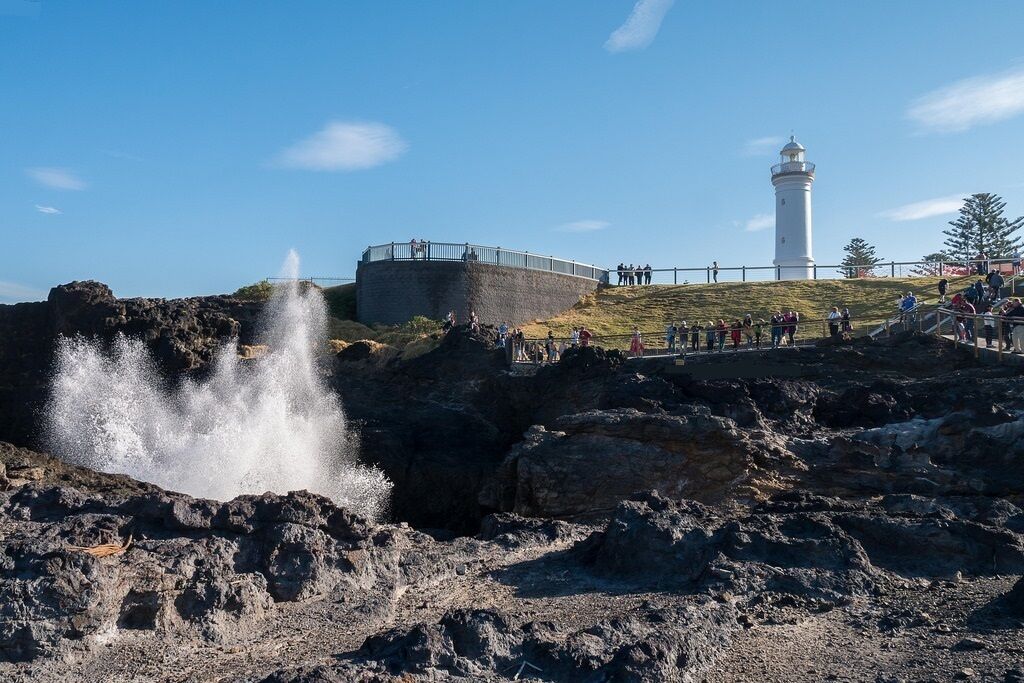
{"type": "Point", "coordinates": [930, 207]}
{"type": "Point", "coordinates": [583, 226]}
{"type": "Point", "coordinates": [12, 292]}
{"type": "Point", "coordinates": [641, 26]}
{"type": "Point", "coordinates": [761, 221]}
{"type": "Point", "coordinates": [58, 178]}
{"type": "Point", "coordinates": [345, 146]}
{"type": "Point", "coordinates": [762, 146]}
{"type": "Point", "coordinates": [47, 209]}
{"type": "Point", "coordinates": [970, 102]}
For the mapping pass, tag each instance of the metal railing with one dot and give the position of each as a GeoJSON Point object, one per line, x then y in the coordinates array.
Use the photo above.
{"type": "Point", "coordinates": [793, 167]}
{"type": "Point", "coordinates": [477, 253]}
{"type": "Point", "coordinates": [888, 269]}
{"type": "Point", "coordinates": [969, 329]}
{"type": "Point", "coordinates": [807, 332]}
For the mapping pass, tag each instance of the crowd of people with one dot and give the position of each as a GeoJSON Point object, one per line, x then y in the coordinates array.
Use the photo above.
{"type": "Point", "coordinates": [982, 302]}
{"type": "Point", "coordinates": [634, 275]}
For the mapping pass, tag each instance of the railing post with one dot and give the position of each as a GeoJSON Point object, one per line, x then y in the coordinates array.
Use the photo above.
{"type": "Point", "coordinates": [892, 266]}
{"type": "Point", "coordinates": [744, 275]}
{"type": "Point", "coordinates": [708, 274]}
{"type": "Point", "coordinates": [940, 268]}
{"type": "Point", "coordinates": [392, 251]}
{"type": "Point", "coordinates": [573, 267]}
{"type": "Point", "coordinates": [815, 271]}
{"type": "Point", "coordinates": [497, 256]}
{"type": "Point", "coordinates": [778, 273]}
{"type": "Point", "coordinates": [999, 333]}
{"type": "Point", "coordinates": [428, 251]}
{"type": "Point", "coordinates": [675, 276]}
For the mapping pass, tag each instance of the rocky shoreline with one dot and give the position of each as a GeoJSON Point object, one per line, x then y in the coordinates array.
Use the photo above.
{"type": "Point", "coordinates": [857, 517]}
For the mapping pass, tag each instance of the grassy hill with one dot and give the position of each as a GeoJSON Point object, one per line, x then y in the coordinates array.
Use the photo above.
{"type": "Point", "coordinates": [615, 310]}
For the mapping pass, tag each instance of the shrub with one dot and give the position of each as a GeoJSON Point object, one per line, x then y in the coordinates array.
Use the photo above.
{"type": "Point", "coordinates": [258, 291]}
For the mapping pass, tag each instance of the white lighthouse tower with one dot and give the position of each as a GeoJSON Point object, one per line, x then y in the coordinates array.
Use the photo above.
{"type": "Point", "coordinates": [792, 179]}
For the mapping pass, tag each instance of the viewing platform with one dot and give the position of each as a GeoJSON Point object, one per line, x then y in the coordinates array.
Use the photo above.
{"type": "Point", "coordinates": [477, 253]}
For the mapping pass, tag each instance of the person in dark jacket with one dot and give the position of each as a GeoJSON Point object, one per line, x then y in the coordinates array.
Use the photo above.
{"type": "Point", "coordinates": [995, 284]}
{"type": "Point", "coordinates": [943, 287]}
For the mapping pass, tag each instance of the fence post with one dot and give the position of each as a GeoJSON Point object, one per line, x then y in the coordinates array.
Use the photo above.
{"type": "Point", "coordinates": [573, 267]}
{"type": "Point", "coordinates": [392, 251]}
{"type": "Point", "coordinates": [940, 268]}
{"type": "Point", "coordinates": [815, 271]}
{"type": "Point", "coordinates": [428, 251]}
{"type": "Point", "coordinates": [675, 276]}
{"type": "Point", "coordinates": [708, 274]}
{"type": "Point", "coordinates": [778, 273]}
{"type": "Point", "coordinates": [744, 273]}
{"type": "Point", "coordinates": [892, 265]}
{"type": "Point", "coordinates": [497, 256]}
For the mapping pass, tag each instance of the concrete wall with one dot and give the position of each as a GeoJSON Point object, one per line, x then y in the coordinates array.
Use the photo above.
{"type": "Point", "coordinates": [391, 292]}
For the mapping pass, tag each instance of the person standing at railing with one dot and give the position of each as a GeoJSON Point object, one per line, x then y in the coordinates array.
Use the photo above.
{"type": "Point", "coordinates": [585, 336]}
{"type": "Point", "coordinates": [748, 329]}
{"type": "Point", "coordinates": [639, 274]}
{"type": "Point", "coordinates": [736, 334]}
{"type": "Point", "coordinates": [551, 347]}
{"type": "Point", "coordinates": [714, 270]}
{"type": "Point", "coordinates": [683, 335]}
{"type": "Point", "coordinates": [989, 322]}
{"type": "Point", "coordinates": [574, 337]}
{"type": "Point", "coordinates": [636, 344]}
{"type": "Point", "coordinates": [647, 273]}
{"type": "Point", "coordinates": [710, 335]}
{"type": "Point", "coordinates": [907, 306]}
{"type": "Point", "coordinates": [630, 274]}
{"type": "Point", "coordinates": [758, 331]}
{"type": "Point", "coordinates": [670, 336]}
{"type": "Point", "coordinates": [777, 321]}
{"type": "Point", "coordinates": [722, 331]}
{"type": "Point", "coordinates": [969, 311]}
{"type": "Point", "coordinates": [1015, 316]}
{"type": "Point", "coordinates": [620, 272]}
{"type": "Point", "coordinates": [695, 336]}
{"type": "Point", "coordinates": [847, 324]}
{"type": "Point", "coordinates": [502, 334]}
{"type": "Point", "coordinates": [834, 318]}
{"type": "Point", "coordinates": [791, 319]}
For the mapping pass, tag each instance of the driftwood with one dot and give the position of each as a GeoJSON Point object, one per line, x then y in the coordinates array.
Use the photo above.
{"type": "Point", "coordinates": [103, 549]}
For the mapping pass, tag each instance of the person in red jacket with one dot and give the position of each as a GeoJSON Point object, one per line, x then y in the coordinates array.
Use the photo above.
{"type": "Point", "coordinates": [585, 336]}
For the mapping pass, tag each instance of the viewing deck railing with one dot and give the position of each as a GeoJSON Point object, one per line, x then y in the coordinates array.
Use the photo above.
{"type": "Point", "coordinates": [793, 167]}
{"type": "Point", "coordinates": [477, 253]}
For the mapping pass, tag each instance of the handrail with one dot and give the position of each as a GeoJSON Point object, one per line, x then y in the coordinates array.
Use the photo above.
{"type": "Point", "coordinates": [477, 253]}
{"type": "Point", "coordinates": [793, 167]}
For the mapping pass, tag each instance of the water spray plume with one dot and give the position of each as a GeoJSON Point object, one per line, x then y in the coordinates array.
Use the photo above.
{"type": "Point", "coordinates": [250, 427]}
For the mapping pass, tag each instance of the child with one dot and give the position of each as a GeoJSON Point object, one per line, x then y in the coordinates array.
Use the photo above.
{"type": "Point", "coordinates": [737, 327]}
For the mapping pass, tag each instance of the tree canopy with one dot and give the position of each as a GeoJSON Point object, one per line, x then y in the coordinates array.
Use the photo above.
{"type": "Point", "coordinates": [981, 228]}
{"type": "Point", "coordinates": [860, 259]}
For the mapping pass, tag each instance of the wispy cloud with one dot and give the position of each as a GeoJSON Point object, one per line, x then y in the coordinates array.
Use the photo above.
{"type": "Point", "coordinates": [12, 292]}
{"type": "Point", "coordinates": [970, 102]}
{"type": "Point", "coordinates": [928, 208]}
{"type": "Point", "coordinates": [57, 178]}
{"type": "Point", "coordinates": [762, 146]}
{"type": "Point", "coordinates": [641, 26]}
{"type": "Point", "coordinates": [48, 209]}
{"type": "Point", "coordinates": [345, 146]}
{"type": "Point", "coordinates": [761, 221]}
{"type": "Point", "coordinates": [589, 225]}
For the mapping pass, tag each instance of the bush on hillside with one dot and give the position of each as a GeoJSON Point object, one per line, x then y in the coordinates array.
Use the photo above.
{"type": "Point", "coordinates": [258, 291]}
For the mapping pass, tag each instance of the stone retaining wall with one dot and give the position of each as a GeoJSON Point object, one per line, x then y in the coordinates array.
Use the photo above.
{"type": "Point", "coordinates": [392, 292]}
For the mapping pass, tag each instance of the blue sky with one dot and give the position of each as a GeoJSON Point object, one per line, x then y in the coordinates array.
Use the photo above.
{"type": "Point", "coordinates": [182, 148]}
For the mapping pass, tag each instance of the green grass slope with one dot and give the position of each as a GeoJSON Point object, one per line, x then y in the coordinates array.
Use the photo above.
{"type": "Point", "coordinates": [615, 310]}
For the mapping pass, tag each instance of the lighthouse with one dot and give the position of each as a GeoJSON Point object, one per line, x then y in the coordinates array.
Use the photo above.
{"type": "Point", "coordinates": [792, 178]}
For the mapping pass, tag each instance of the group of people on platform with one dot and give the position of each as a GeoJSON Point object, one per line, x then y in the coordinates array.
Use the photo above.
{"type": "Point", "coordinates": [634, 275]}
{"type": "Point", "coordinates": [998, 317]}
{"type": "Point", "coordinates": [781, 326]}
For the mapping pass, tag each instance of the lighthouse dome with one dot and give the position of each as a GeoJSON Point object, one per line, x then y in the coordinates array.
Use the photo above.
{"type": "Point", "coordinates": [792, 146]}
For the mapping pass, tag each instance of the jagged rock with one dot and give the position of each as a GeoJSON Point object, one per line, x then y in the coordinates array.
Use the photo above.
{"type": "Point", "coordinates": [194, 566]}
{"type": "Point", "coordinates": [592, 460]}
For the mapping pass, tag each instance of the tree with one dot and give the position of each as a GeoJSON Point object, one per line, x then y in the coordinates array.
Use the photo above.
{"type": "Point", "coordinates": [930, 267]}
{"type": "Point", "coordinates": [860, 259]}
{"type": "Point", "coordinates": [982, 228]}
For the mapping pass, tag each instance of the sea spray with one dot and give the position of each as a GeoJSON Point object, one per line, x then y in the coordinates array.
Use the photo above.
{"type": "Point", "coordinates": [268, 424]}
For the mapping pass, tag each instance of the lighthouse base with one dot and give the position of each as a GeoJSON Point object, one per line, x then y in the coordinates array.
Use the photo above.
{"type": "Point", "coordinates": [794, 269]}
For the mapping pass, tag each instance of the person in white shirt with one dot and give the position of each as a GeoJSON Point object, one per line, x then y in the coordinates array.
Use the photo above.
{"type": "Point", "coordinates": [834, 316]}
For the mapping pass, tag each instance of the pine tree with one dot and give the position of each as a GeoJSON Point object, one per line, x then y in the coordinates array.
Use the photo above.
{"type": "Point", "coordinates": [930, 267]}
{"type": "Point", "coordinates": [982, 228]}
{"type": "Point", "coordinates": [859, 260]}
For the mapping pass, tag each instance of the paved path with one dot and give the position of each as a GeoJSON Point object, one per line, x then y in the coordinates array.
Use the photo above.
{"type": "Point", "coordinates": [986, 353]}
